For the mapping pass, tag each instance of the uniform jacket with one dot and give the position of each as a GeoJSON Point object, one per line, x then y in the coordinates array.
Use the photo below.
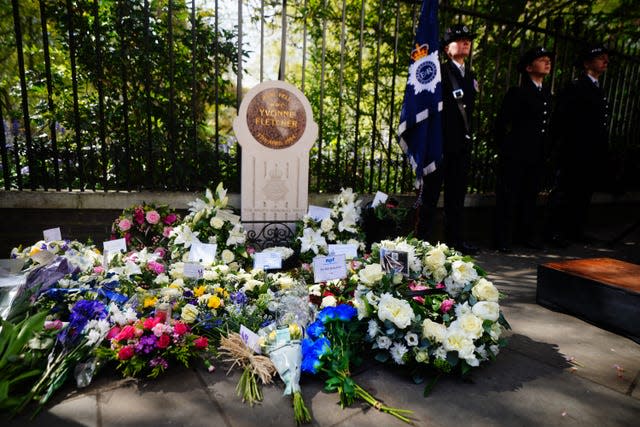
{"type": "Point", "coordinates": [453, 128]}
{"type": "Point", "coordinates": [523, 123]}
{"type": "Point", "coordinates": [581, 122]}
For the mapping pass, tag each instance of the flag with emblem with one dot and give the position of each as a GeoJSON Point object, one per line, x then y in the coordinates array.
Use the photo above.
{"type": "Point", "coordinates": [420, 131]}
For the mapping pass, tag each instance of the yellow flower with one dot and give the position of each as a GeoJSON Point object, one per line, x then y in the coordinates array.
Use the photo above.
{"type": "Point", "coordinates": [199, 291]}
{"type": "Point", "coordinates": [214, 302]}
{"type": "Point", "coordinates": [34, 250]}
{"type": "Point", "coordinates": [150, 302]}
{"type": "Point", "coordinates": [219, 290]}
{"type": "Point", "coordinates": [294, 331]}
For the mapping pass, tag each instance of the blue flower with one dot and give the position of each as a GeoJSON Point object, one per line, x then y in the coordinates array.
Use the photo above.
{"type": "Point", "coordinates": [313, 353]}
{"type": "Point", "coordinates": [327, 314]}
{"type": "Point", "coordinates": [311, 365]}
{"type": "Point", "coordinates": [315, 330]}
{"type": "Point", "coordinates": [345, 312]}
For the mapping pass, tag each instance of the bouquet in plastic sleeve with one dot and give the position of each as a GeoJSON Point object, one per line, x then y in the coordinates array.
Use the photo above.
{"type": "Point", "coordinates": [282, 342]}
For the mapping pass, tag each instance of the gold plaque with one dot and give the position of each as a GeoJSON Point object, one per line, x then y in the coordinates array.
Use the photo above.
{"type": "Point", "coordinates": [276, 118]}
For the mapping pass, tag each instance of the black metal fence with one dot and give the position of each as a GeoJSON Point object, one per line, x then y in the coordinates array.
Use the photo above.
{"type": "Point", "coordinates": [121, 95]}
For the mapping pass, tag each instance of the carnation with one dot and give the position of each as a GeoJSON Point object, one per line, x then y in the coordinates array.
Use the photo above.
{"type": "Point", "coordinates": [189, 313]}
{"type": "Point", "coordinates": [398, 350]}
{"type": "Point", "coordinates": [397, 311]}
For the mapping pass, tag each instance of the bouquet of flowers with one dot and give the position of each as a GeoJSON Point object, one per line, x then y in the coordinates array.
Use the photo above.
{"type": "Point", "coordinates": [331, 348]}
{"type": "Point", "coordinates": [145, 225]}
{"type": "Point", "coordinates": [443, 315]}
{"type": "Point", "coordinates": [149, 344]}
{"type": "Point", "coordinates": [210, 221]}
{"type": "Point", "coordinates": [342, 226]}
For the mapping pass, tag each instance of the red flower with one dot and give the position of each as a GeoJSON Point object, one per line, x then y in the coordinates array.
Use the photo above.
{"type": "Point", "coordinates": [113, 332]}
{"type": "Point", "coordinates": [163, 341]}
{"type": "Point", "coordinates": [138, 215]}
{"type": "Point", "coordinates": [180, 328]}
{"type": "Point", "coordinates": [201, 343]}
{"type": "Point", "coordinates": [150, 322]}
{"type": "Point", "coordinates": [126, 333]}
{"type": "Point", "coordinates": [161, 316]}
{"type": "Point", "coordinates": [125, 353]}
{"type": "Point", "coordinates": [170, 219]}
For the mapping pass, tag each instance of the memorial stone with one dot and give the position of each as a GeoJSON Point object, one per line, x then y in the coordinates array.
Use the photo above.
{"type": "Point", "coordinates": [275, 129]}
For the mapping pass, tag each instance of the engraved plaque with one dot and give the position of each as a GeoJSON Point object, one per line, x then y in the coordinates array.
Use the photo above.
{"type": "Point", "coordinates": [276, 118]}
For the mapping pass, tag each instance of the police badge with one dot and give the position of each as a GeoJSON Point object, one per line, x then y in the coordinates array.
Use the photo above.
{"type": "Point", "coordinates": [424, 73]}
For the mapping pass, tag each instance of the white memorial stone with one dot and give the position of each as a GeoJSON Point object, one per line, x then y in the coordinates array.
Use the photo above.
{"type": "Point", "coordinates": [276, 130]}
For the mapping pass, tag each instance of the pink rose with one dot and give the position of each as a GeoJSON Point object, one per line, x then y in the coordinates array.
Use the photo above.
{"type": "Point", "coordinates": [440, 286]}
{"type": "Point", "coordinates": [201, 343]}
{"type": "Point", "coordinates": [446, 305]}
{"type": "Point", "coordinates": [153, 217]}
{"type": "Point", "coordinates": [138, 215]}
{"type": "Point", "coordinates": [98, 269]}
{"type": "Point", "coordinates": [150, 322]}
{"type": "Point", "coordinates": [170, 219]}
{"type": "Point", "coordinates": [124, 224]}
{"type": "Point", "coordinates": [126, 333]}
{"type": "Point", "coordinates": [125, 353]}
{"type": "Point", "coordinates": [167, 231]}
{"type": "Point", "coordinates": [156, 267]}
{"type": "Point", "coordinates": [163, 341]}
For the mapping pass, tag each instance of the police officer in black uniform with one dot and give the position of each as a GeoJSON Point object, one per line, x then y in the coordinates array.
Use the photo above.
{"type": "Point", "coordinates": [459, 89]}
{"type": "Point", "coordinates": [522, 139]}
{"type": "Point", "coordinates": [580, 130]}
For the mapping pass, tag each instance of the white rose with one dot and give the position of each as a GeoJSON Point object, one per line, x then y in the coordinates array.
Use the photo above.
{"type": "Point", "coordinates": [216, 222]}
{"type": "Point", "coordinates": [458, 340]}
{"type": "Point", "coordinates": [433, 331]}
{"type": "Point", "coordinates": [397, 311]}
{"type": "Point", "coordinates": [285, 282]}
{"type": "Point", "coordinates": [227, 256]}
{"type": "Point", "coordinates": [326, 225]}
{"type": "Point", "coordinates": [463, 272]}
{"type": "Point", "coordinates": [487, 310]}
{"type": "Point", "coordinates": [371, 274]}
{"type": "Point", "coordinates": [161, 279]}
{"type": "Point", "coordinates": [210, 275]}
{"type": "Point", "coordinates": [484, 290]}
{"type": "Point", "coordinates": [328, 301]}
{"type": "Point", "coordinates": [189, 313]}
{"type": "Point", "coordinates": [435, 258]}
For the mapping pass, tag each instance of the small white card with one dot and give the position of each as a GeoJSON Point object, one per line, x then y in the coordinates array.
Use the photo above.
{"type": "Point", "coordinates": [318, 213]}
{"type": "Point", "coordinates": [394, 261]}
{"type": "Point", "coordinates": [114, 246]}
{"type": "Point", "coordinates": [193, 270]}
{"type": "Point", "coordinates": [327, 268]}
{"type": "Point", "coordinates": [349, 250]}
{"type": "Point", "coordinates": [52, 234]}
{"type": "Point", "coordinates": [267, 260]}
{"type": "Point", "coordinates": [202, 252]}
{"type": "Point", "coordinates": [379, 198]}
{"type": "Point", "coordinates": [250, 338]}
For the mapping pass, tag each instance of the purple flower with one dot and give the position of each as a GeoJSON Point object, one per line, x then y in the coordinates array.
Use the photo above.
{"type": "Point", "coordinates": [158, 361]}
{"type": "Point", "coordinates": [238, 298]}
{"type": "Point", "coordinates": [146, 344]}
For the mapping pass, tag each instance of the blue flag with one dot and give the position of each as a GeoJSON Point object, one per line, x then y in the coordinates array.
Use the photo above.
{"type": "Point", "coordinates": [420, 130]}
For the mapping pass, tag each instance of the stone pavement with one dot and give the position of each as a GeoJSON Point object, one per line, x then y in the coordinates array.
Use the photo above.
{"type": "Point", "coordinates": [556, 370]}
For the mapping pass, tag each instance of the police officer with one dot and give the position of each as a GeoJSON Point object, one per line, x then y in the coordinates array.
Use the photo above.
{"type": "Point", "coordinates": [522, 139]}
{"type": "Point", "coordinates": [459, 89]}
{"type": "Point", "coordinates": [581, 129]}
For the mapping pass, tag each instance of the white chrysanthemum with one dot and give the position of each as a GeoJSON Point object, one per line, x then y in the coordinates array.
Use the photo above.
{"type": "Point", "coordinates": [484, 290]}
{"type": "Point", "coordinates": [312, 240]}
{"type": "Point", "coordinates": [371, 274]}
{"type": "Point", "coordinates": [96, 330]}
{"type": "Point", "coordinates": [486, 310]}
{"type": "Point", "coordinates": [384, 342]}
{"type": "Point", "coordinates": [122, 317]}
{"type": "Point", "coordinates": [397, 311]}
{"type": "Point", "coordinates": [440, 353]}
{"type": "Point", "coordinates": [433, 331]}
{"type": "Point", "coordinates": [398, 350]}
{"type": "Point", "coordinates": [373, 329]}
{"type": "Point", "coordinates": [470, 324]}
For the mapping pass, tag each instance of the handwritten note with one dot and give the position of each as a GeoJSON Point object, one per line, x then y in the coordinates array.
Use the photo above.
{"type": "Point", "coordinates": [327, 268]}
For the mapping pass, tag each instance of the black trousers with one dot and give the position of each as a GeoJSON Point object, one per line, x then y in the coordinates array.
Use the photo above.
{"type": "Point", "coordinates": [570, 199]}
{"type": "Point", "coordinates": [516, 197]}
{"type": "Point", "coordinates": [453, 175]}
